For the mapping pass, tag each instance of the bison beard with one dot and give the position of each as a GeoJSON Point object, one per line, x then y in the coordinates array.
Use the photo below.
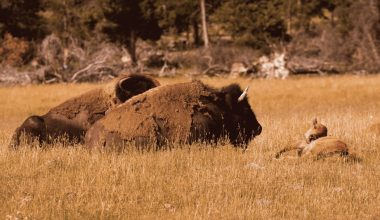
{"type": "Point", "coordinates": [180, 113]}
{"type": "Point", "coordinates": [73, 118]}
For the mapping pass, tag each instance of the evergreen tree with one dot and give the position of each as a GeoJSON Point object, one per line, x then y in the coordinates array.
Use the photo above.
{"type": "Point", "coordinates": [306, 10]}
{"type": "Point", "coordinates": [130, 20]}
{"type": "Point", "coordinates": [20, 18]}
{"type": "Point", "coordinates": [257, 23]}
{"type": "Point", "coordinates": [177, 17]}
{"type": "Point", "coordinates": [72, 18]}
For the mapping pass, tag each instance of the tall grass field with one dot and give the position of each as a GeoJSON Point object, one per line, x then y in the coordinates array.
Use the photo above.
{"type": "Point", "coordinates": [203, 182]}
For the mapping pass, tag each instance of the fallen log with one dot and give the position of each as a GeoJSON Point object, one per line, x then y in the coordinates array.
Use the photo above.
{"type": "Point", "coordinates": [298, 65]}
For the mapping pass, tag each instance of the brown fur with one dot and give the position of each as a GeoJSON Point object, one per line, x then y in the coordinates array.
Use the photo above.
{"type": "Point", "coordinates": [324, 147]}
{"type": "Point", "coordinates": [318, 145]}
{"type": "Point", "coordinates": [74, 117]}
{"type": "Point", "coordinates": [317, 130]}
{"type": "Point", "coordinates": [180, 113]}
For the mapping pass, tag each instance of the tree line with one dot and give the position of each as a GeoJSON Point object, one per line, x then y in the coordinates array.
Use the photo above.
{"type": "Point", "coordinates": [259, 24]}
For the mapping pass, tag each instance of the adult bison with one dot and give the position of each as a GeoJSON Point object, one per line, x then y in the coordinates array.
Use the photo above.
{"type": "Point", "coordinates": [71, 119]}
{"type": "Point", "coordinates": [179, 113]}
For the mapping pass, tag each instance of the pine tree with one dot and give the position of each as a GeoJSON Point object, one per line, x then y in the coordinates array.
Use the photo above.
{"type": "Point", "coordinates": [20, 19]}
{"type": "Point", "coordinates": [176, 17]}
{"type": "Point", "coordinates": [257, 23]}
{"type": "Point", "coordinates": [130, 20]}
{"type": "Point", "coordinates": [72, 18]}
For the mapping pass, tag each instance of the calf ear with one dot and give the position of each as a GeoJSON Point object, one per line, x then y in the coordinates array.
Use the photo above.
{"type": "Point", "coordinates": [315, 122]}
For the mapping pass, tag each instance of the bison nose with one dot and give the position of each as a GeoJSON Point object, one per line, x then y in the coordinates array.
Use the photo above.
{"type": "Point", "coordinates": [258, 130]}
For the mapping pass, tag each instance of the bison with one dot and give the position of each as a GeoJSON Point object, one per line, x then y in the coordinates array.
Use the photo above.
{"type": "Point", "coordinates": [179, 113]}
{"type": "Point", "coordinates": [71, 119]}
{"type": "Point", "coordinates": [318, 145]}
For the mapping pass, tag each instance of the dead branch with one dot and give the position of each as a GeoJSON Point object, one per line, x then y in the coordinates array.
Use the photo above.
{"type": "Point", "coordinates": [216, 70]}
{"type": "Point", "coordinates": [73, 78]}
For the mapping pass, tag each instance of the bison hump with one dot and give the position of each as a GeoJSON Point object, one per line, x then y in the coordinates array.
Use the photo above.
{"type": "Point", "coordinates": [165, 112]}
{"type": "Point", "coordinates": [94, 102]}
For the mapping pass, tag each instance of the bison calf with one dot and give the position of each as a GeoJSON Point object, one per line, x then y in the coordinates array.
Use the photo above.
{"type": "Point", "coordinates": [318, 145]}
{"type": "Point", "coordinates": [179, 113]}
{"type": "Point", "coordinates": [72, 118]}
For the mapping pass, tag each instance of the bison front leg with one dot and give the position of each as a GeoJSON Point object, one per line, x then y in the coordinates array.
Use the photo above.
{"type": "Point", "coordinates": [205, 128]}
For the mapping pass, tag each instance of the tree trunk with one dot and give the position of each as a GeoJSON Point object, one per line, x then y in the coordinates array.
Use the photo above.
{"type": "Point", "coordinates": [204, 24]}
{"type": "Point", "coordinates": [375, 14]}
{"type": "Point", "coordinates": [196, 33]}
{"type": "Point", "coordinates": [289, 17]}
{"type": "Point", "coordinates": [132, 47]}
{"type": "Point", "coordinates": [372, 45]}
{"type": "Point", "coordinates": [333, 19]}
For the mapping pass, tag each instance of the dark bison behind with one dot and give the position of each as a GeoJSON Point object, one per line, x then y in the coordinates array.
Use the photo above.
{"type": "Point", "coordinates": [179, 113]}
{"type": "Point", "coordinates": [71, 119]}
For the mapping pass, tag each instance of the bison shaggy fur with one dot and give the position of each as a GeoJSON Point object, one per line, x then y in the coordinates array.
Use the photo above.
{"type": "Point", "coordinates": [71, 119]}
{"type": "Point", "coordinates": [179, 113]}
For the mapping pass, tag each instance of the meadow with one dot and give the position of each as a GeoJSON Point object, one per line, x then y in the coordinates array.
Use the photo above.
{"type": "Point", "coordinates": [201, 182]}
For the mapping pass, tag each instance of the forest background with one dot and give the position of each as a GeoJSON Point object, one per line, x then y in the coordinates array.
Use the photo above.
{"type": "Point", "coordinates": [89, 40]}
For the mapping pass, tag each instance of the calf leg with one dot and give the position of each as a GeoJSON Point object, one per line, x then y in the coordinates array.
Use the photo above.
{"type": "Point", "coordinates": [299, 147]}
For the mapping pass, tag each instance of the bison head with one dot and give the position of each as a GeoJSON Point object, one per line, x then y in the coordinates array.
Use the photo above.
{"type": "Point", "coordinates": [241, 122]}
{"type": "Point", "coordinates": [31, 128]}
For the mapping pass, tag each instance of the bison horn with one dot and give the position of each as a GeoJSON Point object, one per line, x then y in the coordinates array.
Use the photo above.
{"type": "Point", "coordinates": [243, 95]}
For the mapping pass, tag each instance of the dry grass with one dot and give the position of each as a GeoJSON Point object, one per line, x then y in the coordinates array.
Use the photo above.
{"type": "Point", "coordinates": [201, 182]}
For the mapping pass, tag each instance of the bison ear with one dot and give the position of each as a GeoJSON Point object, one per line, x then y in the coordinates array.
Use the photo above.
{"type": "Point", "coordinates": [134, 84]}
{"type": "Point", "coordinates": [229, 100]}
{"type": "Point", "coordinates": [231, 95]}
{"type": "Point", "coordinates": [123, 84]}
{"type": "Point", "coordinates": [121, 90]}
